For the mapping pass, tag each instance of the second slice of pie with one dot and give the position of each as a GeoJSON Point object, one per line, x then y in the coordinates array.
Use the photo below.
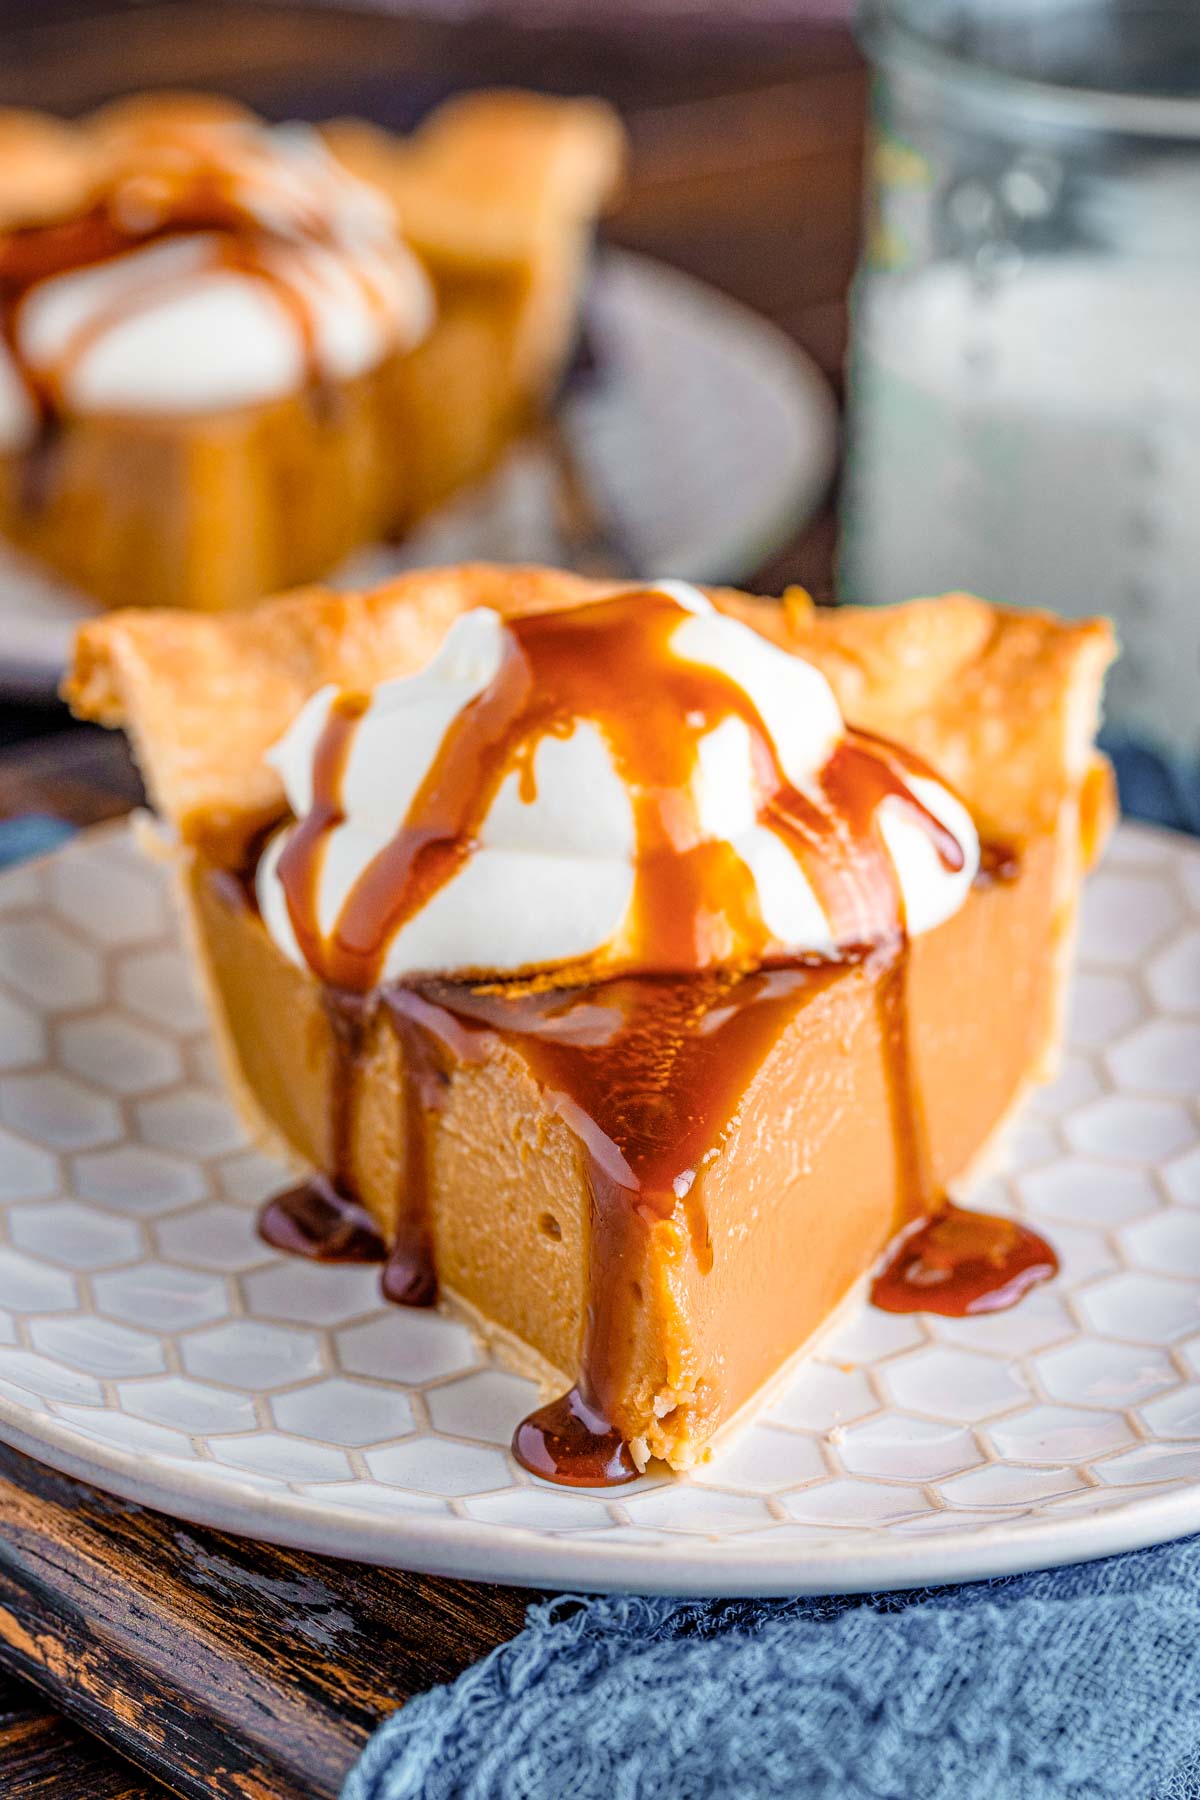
{"type": "Point", "coordinates": [233, 353]}
{"type": "Point", "coordinates": [633, 967]}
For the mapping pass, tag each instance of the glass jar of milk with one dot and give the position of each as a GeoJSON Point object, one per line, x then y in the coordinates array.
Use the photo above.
{"type": "Point", "coordinates": [1025, 366]}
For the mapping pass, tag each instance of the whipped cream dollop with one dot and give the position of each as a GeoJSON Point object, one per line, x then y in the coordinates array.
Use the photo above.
{"type": "Point", "coordinates": [303, 278]}
{"type": "Point", "coordinates": [550, 877]}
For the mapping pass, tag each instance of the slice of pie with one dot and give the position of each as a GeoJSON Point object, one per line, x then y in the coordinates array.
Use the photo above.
{"type": "Point", "coordinates": [233, 353]}
{"type": "Point", "coordinates": [633, 968]}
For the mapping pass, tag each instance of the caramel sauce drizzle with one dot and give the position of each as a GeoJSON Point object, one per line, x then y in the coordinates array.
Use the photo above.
{"type": "Point", "coordinates": [301, 862]}
{"type": "Point", "coordinates": [316, 1219]}
{"type": "Point", "coordinates": [959, 1263]}
{"type": "Point", "coordinates": [647, 1070]}
{"type": "Point", "coordinates": [410, 1274]}
{"type": "Point", "coordinates": [557, 669]}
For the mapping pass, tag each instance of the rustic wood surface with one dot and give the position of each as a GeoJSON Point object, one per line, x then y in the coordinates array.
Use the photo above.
{"type": "Point", "coordinates": [221, 1667]}
{"type": "Point", "coordinates": [225, 1667]}
{"type": "Point", "coordinates": [43, 1757]}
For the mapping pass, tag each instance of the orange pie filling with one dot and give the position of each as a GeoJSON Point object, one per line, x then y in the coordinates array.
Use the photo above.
{"type": "Point", "coordinates": [651, 1169]}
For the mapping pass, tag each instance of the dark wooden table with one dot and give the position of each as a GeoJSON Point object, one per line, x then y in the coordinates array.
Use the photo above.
{"type": "Point", "coordinates": [215, 1666]}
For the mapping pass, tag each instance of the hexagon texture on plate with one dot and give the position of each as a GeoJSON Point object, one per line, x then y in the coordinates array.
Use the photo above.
{"type": "Point", "coordinates": [144, 1324]}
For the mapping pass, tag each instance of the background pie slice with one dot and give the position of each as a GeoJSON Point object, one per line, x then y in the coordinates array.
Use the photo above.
{"type": "Point", "coordinates": [772, 1173]}
{"type": "Point", "coordinates": [497, 194]}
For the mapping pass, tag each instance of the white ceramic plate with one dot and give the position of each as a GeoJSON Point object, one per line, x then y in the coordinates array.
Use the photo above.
{"type": "Point", "coordinates": [707, 439]}
{"type": "Point", "coordinates": [151, 1343]}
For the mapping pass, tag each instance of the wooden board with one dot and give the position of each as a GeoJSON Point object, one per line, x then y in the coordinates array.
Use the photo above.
{"type": "Point", "coordinates": [224, 1667]}
{"type": "Point", "coordinates": [42, 1757]}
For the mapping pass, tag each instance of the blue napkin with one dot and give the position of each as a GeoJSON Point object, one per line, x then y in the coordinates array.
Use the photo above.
{"type": "Point", "coordinates": [31, 834]}
{"type": "Point", "coordinates": [1163, 789]}
{"type": "Point", "coordinates": [1078, 1684]}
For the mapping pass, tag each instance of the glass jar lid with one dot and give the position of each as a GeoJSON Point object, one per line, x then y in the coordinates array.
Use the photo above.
{"type": "Point", "coordinates": [1106, 66]}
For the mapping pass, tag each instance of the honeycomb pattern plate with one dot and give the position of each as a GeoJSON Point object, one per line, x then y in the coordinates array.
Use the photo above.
{"type": "Point", "coordinates": [151, 1343]}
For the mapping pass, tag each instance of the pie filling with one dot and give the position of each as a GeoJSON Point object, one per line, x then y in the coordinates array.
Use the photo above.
{"type": "Point", "coordinates": [722, 814]}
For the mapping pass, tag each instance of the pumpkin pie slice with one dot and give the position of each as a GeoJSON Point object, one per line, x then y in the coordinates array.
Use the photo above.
{"type": "Point", "coordinates": [232, 353]}
{"type": "Point", "coordinates": [634, 971]}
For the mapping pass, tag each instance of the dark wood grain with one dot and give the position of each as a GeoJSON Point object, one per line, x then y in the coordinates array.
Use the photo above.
{"type": "Point", "coordinates": [42, 1757]}
{"type": "Point", "coordinates": [290, 59]}
{"type": "Point", "coordinates": [227, 1668]}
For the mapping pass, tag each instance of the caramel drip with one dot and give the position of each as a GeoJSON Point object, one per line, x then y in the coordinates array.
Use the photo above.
{"type": "Point", "coordinates": [300, 862]}
{"type": "Point", "coordinates": [838, 840]}
{"type": "Point", "coordinates": [349, 1018]}
{"type": "Point", "coordinates": [569, 1442]}
{"type": "Point", "coordinates": [695, 903]}
{"type": "Point", "coordinates": [410, 1276]}
{"type": "Point", "coordinates": [37, 470]}
{"type": "Point", "coordinates": [915, 1189]}
{"type": "Point", "coordinates": [321, 1218]}
{"type": "Point", "coordinates": [40, 252]}
{"type": "Point", "coordinates": [315, 1220]}
{"type": "Point", "coordinates": [959, 1263]}
{"type": "Point", "coordinates": [999, 864]}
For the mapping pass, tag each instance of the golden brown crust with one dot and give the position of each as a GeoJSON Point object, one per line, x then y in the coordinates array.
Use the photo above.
{"type": "Point", "coordinates": [1002, 703]}
{"type": "Point", "coordinates": [47, 169]}
{"type": "Point", "coordinates": [489, 178]}
{"type": "Point", "coordinates": [52, 169]}
{"type": "Point", "coordinates": [137, 116]}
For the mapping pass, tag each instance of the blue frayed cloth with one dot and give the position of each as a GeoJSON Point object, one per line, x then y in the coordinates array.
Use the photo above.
{"type": "Point", "coordinates": [1078, 1684]}
{"type": "Point", "coordinates": [1161, 789]}
{"type": "Point", "coordinates": [31, 834]}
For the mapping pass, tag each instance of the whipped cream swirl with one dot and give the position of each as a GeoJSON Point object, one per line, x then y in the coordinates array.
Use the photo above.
{"type": "Point", "coordinates": [550, 878]}
{"type": "Point", "coordinates": [303, 277]}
